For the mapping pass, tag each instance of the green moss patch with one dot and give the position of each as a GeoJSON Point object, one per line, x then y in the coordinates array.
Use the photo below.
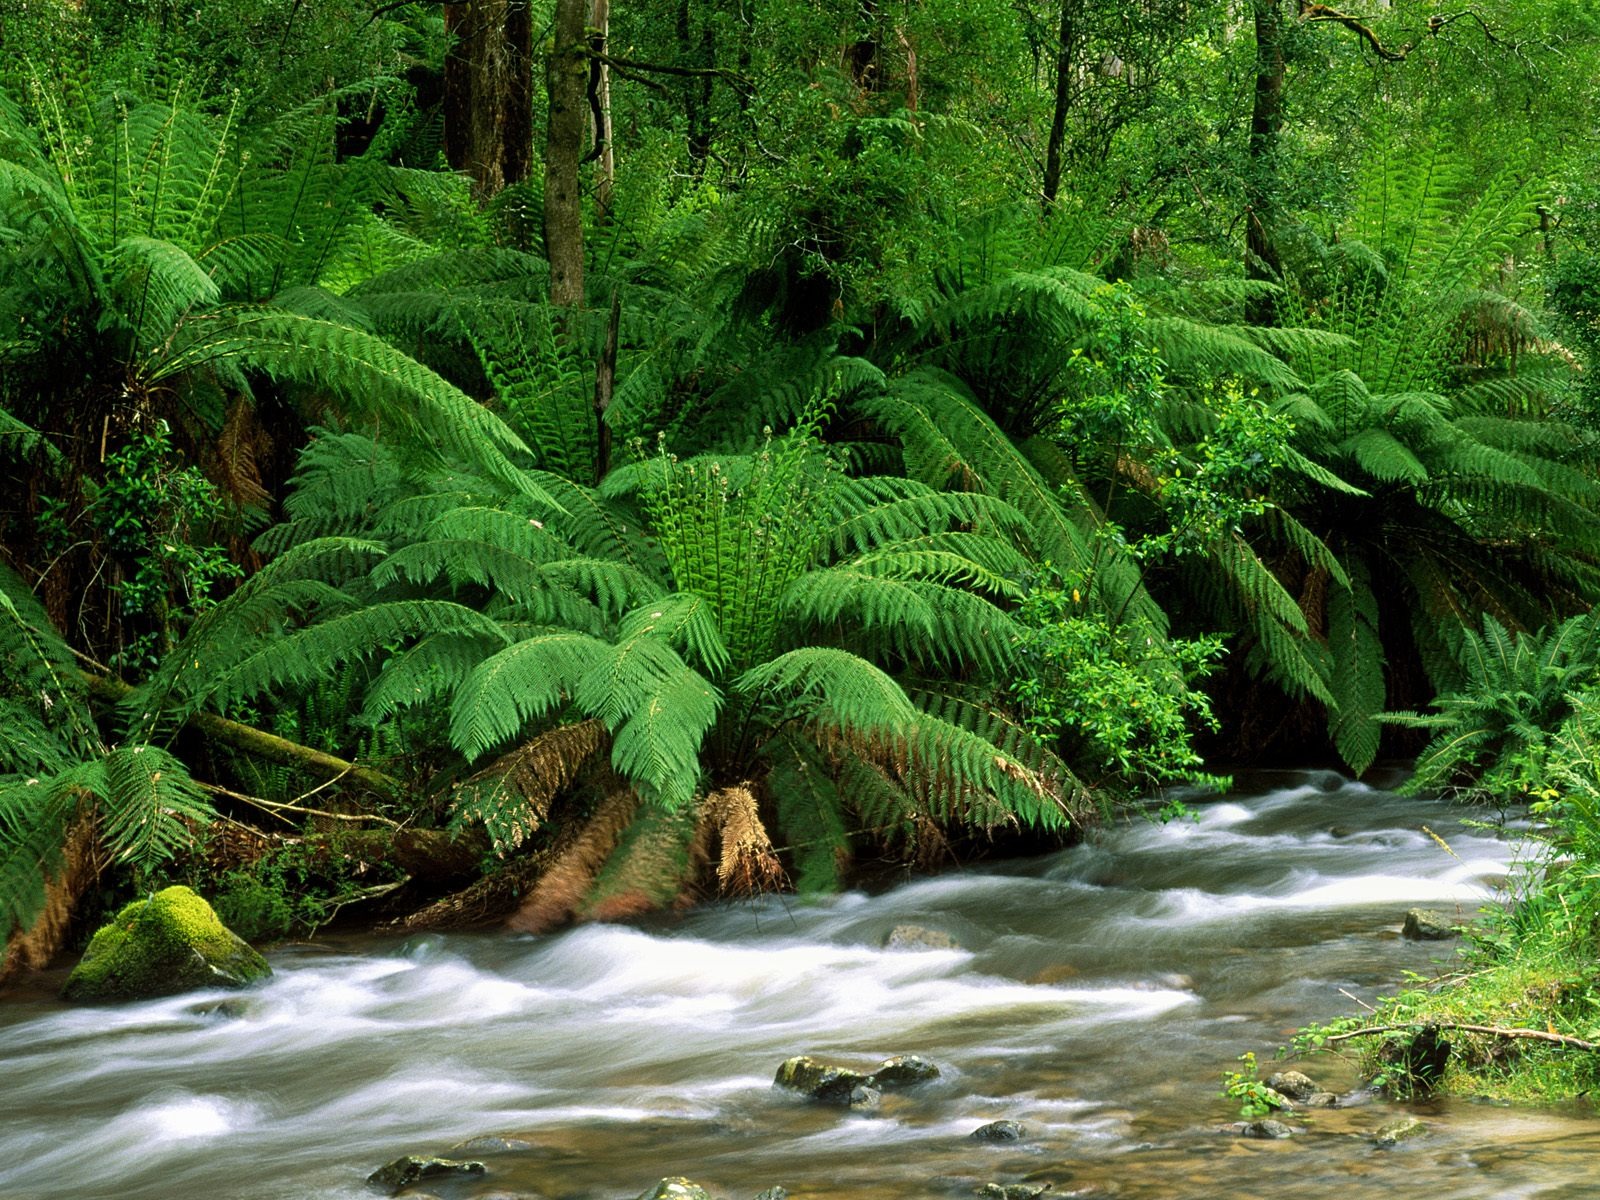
{"type": "Point", "coordinates": [172, 942]}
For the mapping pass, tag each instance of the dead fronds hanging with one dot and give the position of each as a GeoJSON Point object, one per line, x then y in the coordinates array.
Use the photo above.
{"type": "Point", "coordinates": [748, 863]}
{"type": "Point", "coordinates": [555, 899]}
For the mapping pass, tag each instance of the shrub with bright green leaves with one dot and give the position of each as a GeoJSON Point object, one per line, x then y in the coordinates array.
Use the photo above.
{"type": "Point", "coordinates": [1122, 708]}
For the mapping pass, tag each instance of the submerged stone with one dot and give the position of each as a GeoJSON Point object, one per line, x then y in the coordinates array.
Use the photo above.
{"type": "Point", "coordinates": [773, 1193]}
{"type": "Point", "coordinates": [1014, 1191]}
{"type": "Point", "coordinates": [675, 1188]}
{"type": "Point", "coordinates": [903, 1071]}
{"type": "Point", "coordinates": [1424, 926]}
{"type": "Point", "coordinates": [490, 1143]}
{"type": "Point", "coordinates": [400, 1174]}
{"type": "Point", "coordinates": [1401, 1129]}
{"type": "Point", "coordinates": [915, 937]}
{"type": "Point", "coordinates": [172, 942]}
{"type": "Point", "coordinates": [998, 1131]}
{"type": "Point", "coordinates": [1262, 1129]}
{"type": "Point", "coordinates": [865, 1099]}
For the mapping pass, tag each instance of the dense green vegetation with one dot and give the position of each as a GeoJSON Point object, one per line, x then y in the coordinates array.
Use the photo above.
{"type": "Point", "coordinates": [772, 441]}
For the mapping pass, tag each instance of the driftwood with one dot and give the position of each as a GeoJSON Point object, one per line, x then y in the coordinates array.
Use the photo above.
{"type": "Point", "coordinates": [1531, 1035]}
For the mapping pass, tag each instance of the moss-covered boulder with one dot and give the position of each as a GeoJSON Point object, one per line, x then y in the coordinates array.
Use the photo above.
{"type": "Point", "coordinates": [172, 942]}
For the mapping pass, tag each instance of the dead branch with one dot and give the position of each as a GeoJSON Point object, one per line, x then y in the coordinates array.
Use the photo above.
{"type": "Point", "coordinates": [1532, 1035]}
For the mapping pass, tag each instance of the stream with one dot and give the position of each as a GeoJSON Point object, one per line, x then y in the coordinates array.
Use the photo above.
{"type": "Point", "coordinates": [1096, 997]}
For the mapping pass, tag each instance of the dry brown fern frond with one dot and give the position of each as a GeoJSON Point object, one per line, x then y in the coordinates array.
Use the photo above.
{"type": "Point", "coordinates": [748, 864]}
{"type": "Point", "coordinates": [81, 863]}
{"type": "Point", "coordinates": [654, 868]}
{"type": "Point", "coordinates": [555, 899]}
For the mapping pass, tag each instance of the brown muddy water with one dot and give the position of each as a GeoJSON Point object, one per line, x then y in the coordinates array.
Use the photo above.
{"type": "Point", "coordinates": [1096, 997]}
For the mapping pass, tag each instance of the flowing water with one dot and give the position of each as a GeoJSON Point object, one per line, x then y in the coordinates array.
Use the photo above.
{"type": "Point", "coordinates": [1096, 997]}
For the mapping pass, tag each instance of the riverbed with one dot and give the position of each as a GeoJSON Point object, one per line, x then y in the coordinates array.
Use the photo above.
{"type": "Point", "coordinates": [1095, 996]}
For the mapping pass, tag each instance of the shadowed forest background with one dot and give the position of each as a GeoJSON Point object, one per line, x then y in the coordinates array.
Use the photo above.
{"type": "Point", "coordinates": [558, 461]}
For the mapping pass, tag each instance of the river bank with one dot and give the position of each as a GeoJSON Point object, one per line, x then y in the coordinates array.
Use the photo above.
{"type": "Point", "coordinates": [1095, 996]}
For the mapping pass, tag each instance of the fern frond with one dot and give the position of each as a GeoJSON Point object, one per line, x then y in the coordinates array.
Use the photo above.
{"type": "Point", "coordinates": [374, 380]}
{"type": "Point", "coordinates": [519, 684]}
{"type": "Point", "coordinates": [511, 797]}
{"type": "Point", "coordinates": [312, 653]}
{"type": "Point", "coordinates": [853, 693]}
{"type": "Point", "coordinates": [149, 805]}
{"type": "Point", "coordinates": [1358, 670]}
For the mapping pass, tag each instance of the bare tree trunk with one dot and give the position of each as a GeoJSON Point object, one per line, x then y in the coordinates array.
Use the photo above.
{"type": "Point", "coordinates": [1261, 259]}
{"type": "Point", "coordinates": [566, 80]}
{"type": "Point", "coordinates": [1066, 53]}
{"type": "Point", "coordinates": [488, 92]}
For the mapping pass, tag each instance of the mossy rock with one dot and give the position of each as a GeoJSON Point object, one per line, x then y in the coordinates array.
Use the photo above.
{"type": "Point", "coordinates": [172, 942]}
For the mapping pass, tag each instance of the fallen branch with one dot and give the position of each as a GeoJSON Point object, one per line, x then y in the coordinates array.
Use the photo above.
{"type": "Point", "coordinates": [278, 807]}
{"type": "Point", "coordinates": [1531, 1035]}
{"type": "Point", "coordinates": [258, 742]}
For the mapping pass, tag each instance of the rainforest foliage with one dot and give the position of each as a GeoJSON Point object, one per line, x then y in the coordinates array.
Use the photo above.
{"type": "Point", "coordinates": [564, 459]}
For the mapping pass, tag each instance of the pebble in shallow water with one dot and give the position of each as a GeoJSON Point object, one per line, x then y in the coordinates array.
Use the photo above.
{"type": "Point", "coordinates": [998, 1131]}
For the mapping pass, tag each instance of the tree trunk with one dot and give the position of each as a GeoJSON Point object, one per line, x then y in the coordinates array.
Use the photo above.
{"type": "Point", "coordinates": [488, 92]}
{"type": "Point", "coordinates": [566, 81]}
{"type": "Point", "coordinates": [1066, 52]}
{"type": "Point", "coordinates": [600, 79]}
{"type": "Point", "coordinates": [697, 90]}
{"type": "Point", "coordinates": [1261, 178]}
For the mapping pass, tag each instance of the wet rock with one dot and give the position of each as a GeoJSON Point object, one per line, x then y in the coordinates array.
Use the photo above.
{"type": "Point", "coordinates": [1262, 1129]}
{"type": "Point", "coordinates": [821, 1081]}
{"type": "Point", "coordinates": [915, 937]}
{"type": "Point", "coordinates": [1014, 1191]}
{"type": "Point", "coordinates": [1401, 1129]}
{"type": "Point", "coordinates": [1424, 926]}
{"type": "Point", "coordinates": [676, 1188]}
{"type": "Point", "coordinates": [998, 1132]}
{"type": "Point", "coordinates": [1293, 1084]}
{"type": "Point", "coordinates": [865, 1099]}
{"type": "Point", "coordinates": [1322, 1100]}
{"type": "Point", "coordinates": [1056, 973]}
{"type": "Point", "coordinates": [774, 1193]}
{"type": "Point", "coordinates": [903, 1071]}
{"type": "Point", "coordinates": [171, 942]}
{"type": "Point", "coordinates": [490, 1143]}
{"type": "Point", "coordinates": [235, 1008]}
{"type": "Point", "coordinates": [402, 1173]}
